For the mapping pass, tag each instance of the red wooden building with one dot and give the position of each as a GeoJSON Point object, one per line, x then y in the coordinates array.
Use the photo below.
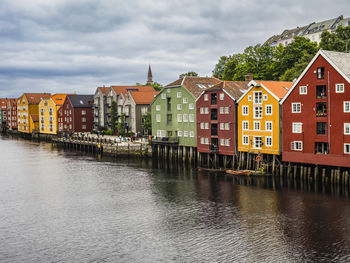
{"type": "Point", "coordinates": [11, 120]}
{"type": "Point", "coordinates": [316, 113]}
{"type": "Point", "coordinates": [217, 117]}
{"type": "Point", "coordinates": [76, 114]}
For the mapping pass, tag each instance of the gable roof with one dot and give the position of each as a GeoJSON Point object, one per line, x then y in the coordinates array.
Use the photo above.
{"type": "Point", "coordinates": [125, 89]}
{"type": "Point", "coordinates": [195, 85]}
{"type": "Point", "coordinates": [339, 60]}
{"type": "Point", "coordinates": [58, 99]}
{"type": "Point", "coordinates": [234, 88]}
{"type": "Point", "coordinates": [278, 89]}
{"type": "Point", "coordinates": [143, 97]}
{"type": "Point", "coordinates": [104, 90]}
{"type": "Point", "coordinates": [35, 98]}
{"type": "Point", "coordinates": [81, 101]}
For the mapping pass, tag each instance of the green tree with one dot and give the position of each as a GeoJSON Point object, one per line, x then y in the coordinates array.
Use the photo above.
{"type": "Point", "coordinates": [157, 86]}
{"type": "Point", "coordinates": [113, 116]}
{"type": "Point", "coordinates": [295, 71]}
{"type": "Point", "coordinates": [337, 41]}
{"type": "Point", "coordinates": [147, 122]}
{"type": "Point", "coordinates": [120, 125]}
{"type": "Point", "coordinates": [220, 67]}
{"type": "Point", "coordinates": [189, 74]}
{"type": "Point", "coordinates": [231, 67]}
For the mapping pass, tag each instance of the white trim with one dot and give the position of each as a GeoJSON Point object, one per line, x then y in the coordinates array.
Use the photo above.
{"type": "Point", "coordinates": [270, 137]}
{"type": "Point", "coordinates": [346, 144]}
{"type": "Point", "coordinates": [346, 126]}
{"type": "Point", "coordinates": [268, 114]}
{"type": "Point", "coordinates": [257, 122]}
{"type": "Point", "coordinates": [336, 84]}
{"type": "Point", "coordinates": [297, 127]}
{"type": "Point", "coordinates": [245, 106]}
{"type": "Point", "coordinates": [348, 102]}
{"type": "Point", "coordinates": [302, 93]}
{"type": "Point", "coordinates": [299, 103]}
{"type": "Point", "coordinates": [266, 123]}
{"type": "Point", "coordinates": [245, 136]}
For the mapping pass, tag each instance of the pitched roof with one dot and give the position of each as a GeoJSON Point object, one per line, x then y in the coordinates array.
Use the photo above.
{"type": "Point", "coordinates": [143, 97]}
{"type": "Point", "coordinates": [104, 90]}
{"type": "Point", "coordinates": [58, 99]}
{"type": "Point", "coordinates": [124, 89]}
{"type": "Point", "coordinates": [35, 117]}
{"type": "Point", "coordinates": [195, 85]}
{"type": "Point", "coordinates": [235, 88]}
{"type": "Point", "coordinates": [35, 98]}
{"type": "Point", "coordinates": [278, 88]}
{"type": "Point", "coordinates": [81, 101]}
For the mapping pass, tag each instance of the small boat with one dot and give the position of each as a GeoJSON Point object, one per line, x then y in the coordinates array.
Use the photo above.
{"type": "Point", "coordinates": [211, 170]}
{"type": "Point", "coordinates": [239, 172]}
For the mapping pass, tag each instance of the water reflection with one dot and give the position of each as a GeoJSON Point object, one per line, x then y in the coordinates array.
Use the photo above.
{"type": "Point", "coordinates": [58, 205]}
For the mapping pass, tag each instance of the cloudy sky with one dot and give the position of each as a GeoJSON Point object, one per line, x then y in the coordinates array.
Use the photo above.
{"type": "Point", "coordinates": [76, 45]}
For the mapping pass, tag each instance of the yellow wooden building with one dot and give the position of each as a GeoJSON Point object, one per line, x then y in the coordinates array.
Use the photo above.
{"type": "Point", "coordinates": [48, 113]}
{"type": "Point", "coordinates": [259, 117]}
{"type": "Point", "coordinates": [28, 111]}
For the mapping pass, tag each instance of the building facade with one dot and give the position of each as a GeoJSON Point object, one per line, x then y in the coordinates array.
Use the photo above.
{"type": "Point", "coordinates": [217, 117]}
{"type": "Point", "coordinates": [316, 113]}
{"type": "Point", "coordinates": [259, 117]}
{"type": "Point", "coordinates": [174, 110]}
{"type": "Point", "coordinates": [3, 112]}
{"type": "Point", "coordinates": [100, 108]}
{"type": "Point", "coordinates": [11, 119]}
{"type": "Point", "coordinates": [28, 111]}
{"type": "Point", "coordinates": [75, 115]}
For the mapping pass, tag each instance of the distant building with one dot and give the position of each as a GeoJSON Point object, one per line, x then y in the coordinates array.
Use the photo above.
{"type": "Point", "coordinates": [3, 111]}
{"type": "Point", "coordinates": [100, 120]}
{"type": "Point", "coordinates": [76, 113]}
{"type": "Point", "coordinates": [11, 119]}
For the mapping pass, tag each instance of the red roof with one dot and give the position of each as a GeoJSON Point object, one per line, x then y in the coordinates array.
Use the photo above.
{"type": "Point", "coordinates": [35, 117]}
{"type": "Point", "coordinates": [104, 90]}
{"type": "Point", "coordinates": [278, 88]}
{"type": "Point", "coordinates": [35, 98]}
{"type": "Point", "coordinates": [124, 89]}
{"type": "Point", "coordinates": [143, 97]}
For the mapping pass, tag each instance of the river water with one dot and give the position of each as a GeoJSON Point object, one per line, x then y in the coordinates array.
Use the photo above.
{"type": "Point", "coordinates": [62, 206]}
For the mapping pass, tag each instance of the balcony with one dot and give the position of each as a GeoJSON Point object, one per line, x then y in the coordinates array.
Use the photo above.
{"type": "Point", "coordinates": [213, 148]}
{"type": "Point", "coordinates": [166, 140]}
{"type": "Point", "coordinates": [321, 109]}
{"type": "Point", "coordinates": [321, 92]}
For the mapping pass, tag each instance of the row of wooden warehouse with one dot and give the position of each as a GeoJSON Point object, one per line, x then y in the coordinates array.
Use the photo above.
{"type": "Point", "coordinates": [305, 121]}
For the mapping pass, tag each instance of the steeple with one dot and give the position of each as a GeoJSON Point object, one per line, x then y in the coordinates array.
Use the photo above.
{"type": "Point", "coordinates": [149, 77]}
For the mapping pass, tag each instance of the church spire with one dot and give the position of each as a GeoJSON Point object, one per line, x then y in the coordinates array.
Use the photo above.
{"type": "Point", "coordinates": [149, 77]}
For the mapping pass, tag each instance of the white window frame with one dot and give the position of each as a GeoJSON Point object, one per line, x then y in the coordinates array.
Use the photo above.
{"type": "Point", "coordinates": [191, 117]}
{"type": "Point", "coordinates": [245, 125]}
{"type": "Point", "coordinates": [339, 88]}
{"type": "Point", "coordinates": [185, 118]}
{"type": "Point", "coordinates": [206, 110]}
{"type": "Point", "coordinates": [257, 126]}
{"type": "Point", "coordinates": [268, 123]}
{"type": "Point", "coordinates": [185, 100]}
{"type": "Point", "coordinates": [267, 138]}
{"type": "Point", "coordinates": [346, 128]}
{"type": "Point", "coordinates": [249, 97]}
{"type": "Point", "coordinates": [222, 142]}
{"type": "Point", "coordinates": [157, 107]}
{"type": "Point", "coordinates": [259, 100]}
{"type": "Point", "coordinates": [179, 133]}
{"type": "Point", "coordinates": [297, 127]}
{"type": "Point", "coordinates": [227, 142]}
{"type": "Point", "coordinates": [296, 107]}
{"type": "Point", "coordinates": [226, 110]}
{"type": "Point", "coordinates": [192, 134]}
{"type": "Point", "coordinates": [261, 110]}
{"type": "Point", "coordinates": [255, 141]}
{"type": "Point", "coordinates": [243, 140]}
{"type": "Point", "coordinates": [157, 117]}
{"type": "Point", "coordinates": [227, 126]}
{"type": "Point", "coordinates": [179, 94]}
{"type": "Point", "coordinates": [266, 111]}
{"type": "Point", "coordinates": [179, 106]}
{"type": "Point", "coordinates": [205, 97]}
{"type": "Point", "coordinates": [221, 110]}
{"type": "Point", "coordinates": [185, 133]}
{"type": "Point", "coordinates": [303, 90]}
{"type": "Point", "coordinates": [163, 95]}
{"type": "Point", "coordinates": [202, 140]}
{"type": "Point", "coordinates": [222, 126]}
{"type": "Point", "coordinates": [221, 96]}
{"type": "Point", "coordinates": [179, 118]}
{"type": "Point", "coordinates": [264, 97]}
{"type": "Point", "coordinates": [346, 148]}
{"type": "Point", "coordinates": [191, 106]}
{"type": "Point", "coordinates": [297, 146]}
{"type": "Point", "coordinates": [245, 110]}
{"type": "Point", "coordinates": [207, 125]}
{"type": "Point", "coordinates": [346, 106]}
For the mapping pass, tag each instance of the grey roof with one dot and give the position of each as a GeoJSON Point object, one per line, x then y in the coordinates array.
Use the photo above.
{"type": "Point", "coordinates": [323, 25]}
{"type": "Point", "coordinates": [340, 59]}
{"type": "Point", "coordinates": [81, 101]}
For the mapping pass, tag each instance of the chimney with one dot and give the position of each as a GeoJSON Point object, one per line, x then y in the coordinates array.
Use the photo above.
{"type": "Point", "coordinates": [249, 77]}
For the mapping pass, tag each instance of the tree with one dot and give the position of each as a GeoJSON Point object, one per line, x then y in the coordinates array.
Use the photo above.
{"type": "Point", "coordinates": [189, 74]}
{"type": "Point", "coordinates": [337, 41]}
{"type": "Point", "coordinates": [220, 67]}
{"type": "Point", "coordinates": [120, 125]}
{"type": "Point", "coordinates": [147, 123]}
{"type": "Point", "coordinates": [113, 116]}
{"type": "Point", "coordinates": [294, 72]}
{"type": "Point", "coordinates": [157, 86]}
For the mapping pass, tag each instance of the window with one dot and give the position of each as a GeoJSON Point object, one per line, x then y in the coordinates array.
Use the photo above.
{"type": "Point", "coordinates": [158, 117]}
{"type": "Point", "coordinates": [185, 100]}
{"type": "Point", "coordinates": [320, 73]}
{"type": "Point", "coordinates": [221, 110]}
{"type": "Point", "coordinates": [257, 97]}
{"type": "Point", "coordinates": [245, 110]}
{"type": "Point", "coordinates": [257, 125]}
{"type": "Point", "coordinates": [163, 96]}
{"type": "Point", "coordinates": [347, 128]}
{"type": "Point", "coordinates": [214, 98]}
{"type": "Point", "coordinates": [296, 107]}
{"type": "Point", "coordinates": [296, 146]}
{"type": "Point", "coordinates": [83, 112]}
{"type": "Point", "coordinates": [257, 142]}
{"type": "Point", "coordinates": [257, 112]}
{"type": "Point", "coordinates": [207, 126]}
{"type": "Point", "coordinates": [205, 97]}
{"type": "Point", "coordinates": [191, 117]}
{"type": "Point", "coordinates": [347, 148]}
{"type": "Point", "coordinates": [185, 117]}
{"type": "Point", "coordinates": [83, 119]}
{"type": "Point", "coordinates": [83, 127]}
{"type": "Point", "coordinates": [191, 106]}
{"type": "Point", "coordinates": [179, 133]}
{"type": "Point", "coordinates": [202, 140]}
{"type": "Point", "coordinates": [249, 97]}
{"type": "Point", "coordinates": [303, 90]}
{"type": "Point", "coordinates": [321, 128]}
{"type": "Point", "coordinates": [191, 134]}
{"type": "Point", "coordinates": [227, 126]}
{"type": "Point", "coordinates": [227, 110]}
{"type": "Point", "coordinates": [214, 114]}
{"type": "Point", "coordinates": [227, 142]}
{"type": "Point", "coordinates": [245, 140]}
{"type": "Point", "coordinates": [179, 118]}
{"type": "Point", "coordinates": [206, 110]}
{"type": "Point", "coordinates": [222, 126]}
{"type": "Point", "coordinates": [339, 88]}
{"type": "Point", "coordinates": [206, 140]}
{"type": "Point", "coordinates": [201, 110]}
{"type": "Point", "coordinates": [179, 106]}
{"type": "Point", "coordinates": [265, 97]}
{"type": "Point", "coordinates": [321, 92]}
{"type": "Point", "coordinates": [222, 95]}
{"type": "Point", "coordinates": [321, 148]}
{"type": "Point", "coordinates": [222, 142]}
{"type": "Point", "coordinates": [157, 107]}
{"type": "Point", "coordinates": [268, 141]}
{"type": "Point", "coordinates": [160, 133]}
{"type": "Point", "coordinates": [321, 109]}
{"type": "Point", "coordinates": [185, 133]}
{"type": "Point", "coordinates": [346, 106]}
{"type": "Point", "coordinates": [268, 125]}
{"type": "Point", "coordinates": [179, 94]}
{"type": "Point", "coordinates": [297, 127]}
{"type": "Point", "coordinates": [245, 125]}
{"type": "Point", "coordinates": [268, 109]}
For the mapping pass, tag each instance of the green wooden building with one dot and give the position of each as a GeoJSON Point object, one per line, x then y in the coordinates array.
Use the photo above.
{"type": "Point", "coordinates": [174, 110]}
